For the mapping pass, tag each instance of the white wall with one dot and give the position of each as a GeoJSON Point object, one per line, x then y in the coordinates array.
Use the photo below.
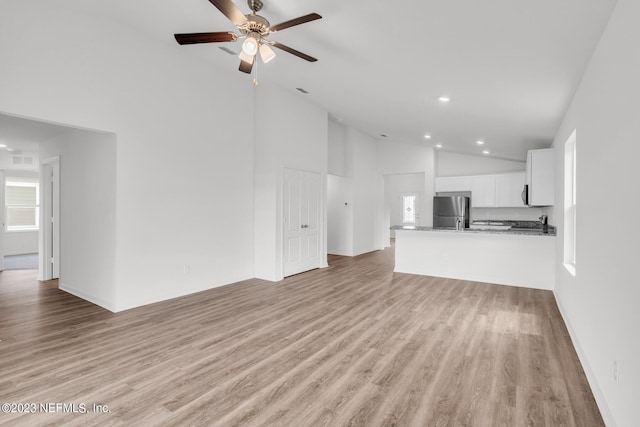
{"type": "Point", "coordinates": [87, 213]}
{"type": "Point", "coordinates": [454, 164]}
{"type": "Point", "coordinates": [336, 148]}
{"type": "Point", "coordinates": [7, 164]}
{"type": "Point", "coordinates": [339, 193]}
{"type": "Point", "coordinates": [402, 158]}
{"type": "Point", "coordinates": [339, 216]}
{"type": "Point", "coordinates": [20, 243]}
{"type": "Point", "coordinates": [184, 170]}
{"type": "Point", "coordinates": [289, 132]}
{"type": "Point", "coordinates": [368, 192]}
{"type": "Point", "coordinates": [368, 163]}
{"type": "Point", "coordinates": [397, 185]}
{"type": "Point", "coordinates": [600, 304]}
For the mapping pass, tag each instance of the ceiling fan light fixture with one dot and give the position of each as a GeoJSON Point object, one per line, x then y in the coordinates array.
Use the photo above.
{"type": "Point", "coordinates": [253, 29]}
{"type": "Point", "coordinates": [246, 58]}
{"type": "Point", "coordinates": [251, 44]}
{"type": "Point", "coordinates": [266, 53]}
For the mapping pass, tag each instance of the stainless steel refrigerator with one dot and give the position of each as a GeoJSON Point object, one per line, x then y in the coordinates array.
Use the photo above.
{"type": "Point", "coordinates": [451, 212]}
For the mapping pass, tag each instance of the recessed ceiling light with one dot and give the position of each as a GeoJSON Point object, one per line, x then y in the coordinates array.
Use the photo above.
{"type": "Point", "coordinates": [9, 149]}
{"type": "Point", "coordinates": [438, 145]}
{"type": "Point", "coordinates": [480, 142]}
{"type": "Point", "coordinates": [3, 145]}
{"type": "Point", "coordinates": [485, 152]}
{"type": "Point", "coordinates": [427, 136]}
{"type": "Point", "coordinates": [444, 99]}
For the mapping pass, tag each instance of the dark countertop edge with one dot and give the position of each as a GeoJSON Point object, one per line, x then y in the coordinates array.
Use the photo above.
{"type": "Point", "coordinates": [551, 233]}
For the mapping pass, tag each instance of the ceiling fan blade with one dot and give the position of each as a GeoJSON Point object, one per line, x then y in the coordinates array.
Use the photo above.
{"type": "Point", "coordinates": [297, 21]}
{"type": "Point", "coordinates": [293, 51]}
{"type": "Point", "coordinates": [246, 66]}
{"type": "Point", "coordinates": [231, 11]}
{"type": "Point", "coordinates": [194, 38]}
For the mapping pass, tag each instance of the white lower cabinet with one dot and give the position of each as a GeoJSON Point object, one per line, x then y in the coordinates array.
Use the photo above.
{"type": "Point", "coordinates": [506, 259]}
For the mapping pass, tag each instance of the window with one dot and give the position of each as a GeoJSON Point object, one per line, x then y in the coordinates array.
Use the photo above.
{"type": "Point", "coordinates": [409, 209]}
{"type": "Point", "coordinates": [570, 204]}
{"type": "Point", "coordinates": [22, 196]}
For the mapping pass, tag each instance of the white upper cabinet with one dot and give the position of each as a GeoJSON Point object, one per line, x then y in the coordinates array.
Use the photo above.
{"type": "Point", "coordinates": [487, 191]}
{"type": "Point", "coordinates": [509, 188]}
{"type": "Point", "coordinates": [541, 177]}
{"type": "Point", "coordinates": [483, 191]}
{"type": "Point", "coordinates": [453, 183]}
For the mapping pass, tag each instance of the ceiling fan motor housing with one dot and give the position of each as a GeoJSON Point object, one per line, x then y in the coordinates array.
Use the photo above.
{"type": "Point", "coordinates": [256, 24]}
{"type": "Point", "coordinates": [255, 5]}
{"type": "Point", "coordinates": [254, 29]}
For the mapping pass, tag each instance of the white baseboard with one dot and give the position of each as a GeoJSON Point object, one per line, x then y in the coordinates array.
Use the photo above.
{"type": "Point", "coordinates": [591, 378]}
{"type": "Point", "coordinates": [91, 298]}
{"type": "Point", "coordinates": [339, 253]}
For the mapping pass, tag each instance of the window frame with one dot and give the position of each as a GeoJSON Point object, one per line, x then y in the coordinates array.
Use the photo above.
{"type": "Point", "coordinates": [414, 210]}
{"type": "Point", "coordinates": [21, 182]}
{"type": "Point", "coordinates": [570, 204]}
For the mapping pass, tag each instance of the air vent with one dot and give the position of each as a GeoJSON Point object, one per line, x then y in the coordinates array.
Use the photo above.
{"type": "Point", "coordinates": [22, 160]}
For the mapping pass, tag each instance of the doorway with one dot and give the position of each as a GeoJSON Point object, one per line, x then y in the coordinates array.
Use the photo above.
{"type": "Point", "coordinates": [404, 201]}
{"type": "Point", "coordinates": [20, 196]}
{"type": "Point", "coordinates": [302, 221]}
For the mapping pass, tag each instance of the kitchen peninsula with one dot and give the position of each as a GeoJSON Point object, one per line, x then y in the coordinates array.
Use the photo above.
{"type": "Point", "coordinates": [522, 258]}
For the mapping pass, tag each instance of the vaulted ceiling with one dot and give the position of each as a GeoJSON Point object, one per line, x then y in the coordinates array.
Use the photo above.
{"type": "Point", "coordinates": [510, 67]}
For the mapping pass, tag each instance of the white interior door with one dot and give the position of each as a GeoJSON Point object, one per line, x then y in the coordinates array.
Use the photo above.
{"type": "Point", "coordinates": [50, 222]}
{"type": "Point", "coordinates": [301, 199]}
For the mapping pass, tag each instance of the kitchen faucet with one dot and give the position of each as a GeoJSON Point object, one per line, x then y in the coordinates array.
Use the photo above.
{"type": "Point", "coordinates": [545, 223]}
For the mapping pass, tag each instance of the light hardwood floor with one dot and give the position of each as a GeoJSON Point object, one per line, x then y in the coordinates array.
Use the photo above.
{"type": "Point", "coordinates": [352, 344]}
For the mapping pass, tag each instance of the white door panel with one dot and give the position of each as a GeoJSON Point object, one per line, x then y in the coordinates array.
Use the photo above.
{"type": "Point", "coordinates": [313, 246]}
{"type": "Point", "coordinates": [301, 209]}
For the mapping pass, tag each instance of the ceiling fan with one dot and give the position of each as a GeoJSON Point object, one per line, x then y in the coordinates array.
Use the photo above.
{"type": "Point", "coordinates": [253, 29]}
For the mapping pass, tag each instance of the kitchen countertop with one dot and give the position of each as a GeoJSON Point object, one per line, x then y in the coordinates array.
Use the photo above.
{"type": "Point", "coordinates": [513, 231]}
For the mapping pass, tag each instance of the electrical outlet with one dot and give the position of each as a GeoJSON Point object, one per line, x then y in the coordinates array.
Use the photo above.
{"type": "Point", "coordinates": [615, 371]}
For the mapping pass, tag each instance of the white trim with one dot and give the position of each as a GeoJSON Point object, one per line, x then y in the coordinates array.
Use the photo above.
{"type": "Point", "coordinates": [45, 269]}
{"type": "Point", "coordinates": [97, 301]}
{"type": "Point", "coordinates": [569, 204]}
{"type": "Point", "coordinates": [607, 416]}
{"type": "Point", "coordinates": [571, 268]}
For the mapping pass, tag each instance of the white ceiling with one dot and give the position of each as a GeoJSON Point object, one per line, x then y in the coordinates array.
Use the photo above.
{"type": "Point", "coordinates": [509, 66]}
